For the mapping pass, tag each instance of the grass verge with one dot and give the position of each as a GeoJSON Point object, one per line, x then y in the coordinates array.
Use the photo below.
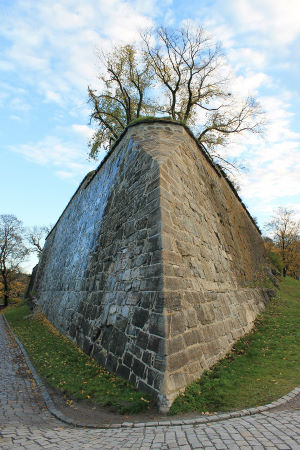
{"type": "Point", "coordinates": [66, 367]}
{"type": "Point", "coordinates": [262, 366]}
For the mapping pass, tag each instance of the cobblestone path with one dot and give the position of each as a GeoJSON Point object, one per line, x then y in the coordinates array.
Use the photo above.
{"type": "Point", "coordinates": [26, 423]}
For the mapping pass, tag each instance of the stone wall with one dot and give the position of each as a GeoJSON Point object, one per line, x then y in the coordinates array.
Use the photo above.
{"type": "Point", "coordinates": [211, 250]}
{"type": "Point", "coordinates": [147, 265]}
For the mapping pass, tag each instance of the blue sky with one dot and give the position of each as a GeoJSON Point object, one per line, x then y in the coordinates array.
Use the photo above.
{"type": "Point", "coordinates": [48, 57]}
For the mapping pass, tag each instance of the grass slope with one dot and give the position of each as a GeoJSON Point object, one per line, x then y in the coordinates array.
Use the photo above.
{"type": "Point", "coordinates": [66, 367]}
{"type": "Point", "coordinates": [262, 366]}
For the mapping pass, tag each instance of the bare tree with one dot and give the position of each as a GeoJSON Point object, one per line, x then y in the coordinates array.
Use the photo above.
{"type": "Point", "coordinates": [12, 250]}
{"type": "Point", "coordinates": [185, 62]}
{"type": "Point", "coordinates": [36, 236]}
{"type": "Point", "coordinates": [188, 65]}
{"type": "Point", "coordinates": [286, 235]}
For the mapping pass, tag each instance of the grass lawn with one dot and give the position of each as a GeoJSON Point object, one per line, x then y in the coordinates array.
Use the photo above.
{"type": "Point", "coordinates": [262, 366]}
{"type": "Point", "coordinates": [66, 367]}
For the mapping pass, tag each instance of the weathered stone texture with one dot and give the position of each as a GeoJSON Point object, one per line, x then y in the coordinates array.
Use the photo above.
{"type": "Point", "coordinates": [100, 277]}
{"type": "Point", "coordinates": [211, 248]}
{"type": "Point", "coordinates": [147, 265]}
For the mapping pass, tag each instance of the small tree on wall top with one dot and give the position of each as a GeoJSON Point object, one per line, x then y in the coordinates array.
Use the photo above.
{"type": "Point", "coordinates": [123, 97]}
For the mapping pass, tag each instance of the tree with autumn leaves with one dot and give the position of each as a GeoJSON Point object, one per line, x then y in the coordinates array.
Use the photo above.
{"type": "Point", "coordinates": [16, 243]}
{"type": "Point", "coordinates": [12, 252]}
{"type": "Point", "coordinates": [285, 240]}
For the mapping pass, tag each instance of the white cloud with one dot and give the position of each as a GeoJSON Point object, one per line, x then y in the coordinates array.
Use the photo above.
{"type": "Point", "coordinates": [52, 152]}
{"type": "Point", "coordinates": [56, 41]}
{"type": "Point", "coordinates": [242, 57]}
{"type": "Point", "coordinates": [64, 174]}
{"type": "Point", "coordinates": [14, 117]}
{"type": "Point", "coordinates": [220, 30]}
{"type": "Point", "coordinates": [5, 65]}
{"type": "Point", "coordinates": [276, 18]}
{"type": "Point", "coordinates": [279, 116]}
{"type": "Point", "coordinates": [51, 96]}
{"type": "Point", "coordinates": [249, 83]}
{"type": "Point", "coordinates": [274, 179]}
{"type": "Point", "coordinates": [83, 130]}
{"type": "Point", "coordinates": [274, 163]}
{"type": "Point", "coordinates": [19, 104]}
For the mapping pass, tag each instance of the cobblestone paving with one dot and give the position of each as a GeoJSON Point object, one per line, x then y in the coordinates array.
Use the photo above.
{"type": "Point", "coordinates": [25, 423]}
{"type": "Point", "coordinates": [20, 401]}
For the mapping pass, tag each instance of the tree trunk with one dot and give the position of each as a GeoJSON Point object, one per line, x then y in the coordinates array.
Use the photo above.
{"type": "Point", "coordinates": [6, 299]}
{"type": "Point", "coordinates": [6, 288]}
{"type": "Point", "coordinates": [284, 271]}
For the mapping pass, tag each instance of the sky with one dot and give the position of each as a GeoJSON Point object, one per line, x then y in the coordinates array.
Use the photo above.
{"type": "Point", "coordinates": [48, 57]}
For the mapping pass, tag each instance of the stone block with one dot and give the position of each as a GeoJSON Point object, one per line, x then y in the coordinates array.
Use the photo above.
{"type": "Point", "coordinates": [142, 339]}
{"type": "Point", "coordinates": [123, 371]}
{"type": "Point", "coordinates": [138, 368]}
{"type": "Point", "coordinates": [171, 257]}
{"type": "Point", "coordinates": [174, 283]}
{"type": "Point", "coordinates": [132, 298]}
{"type": "Point", "coordinates": [141, 223]}
{"type": "Point", "coordinates": [150, 271]}
{"type": "Point", "coordinates": [173, 301]}
{"type": "Point", "coordinates": [177, 361]}
{"type": "Point", "coordinates": [177, 324]}
{"type": "Point", "coordinates": [153, 244]}
{"type": "Point", "coordinates": [156, 344]}
{"type": "Point", "coordinates": [99, 355]}
{"type": "Point", "coordinates": [191, 318]}
{"type": "Point", "coordinates": [87, 345]}
{"type": "Point", "coordinates": [145, 387]}
{"type": "Point", "coordinates": [147, 358]}
{"type": "Point", "coordinates": [153, 185]}
{"type": "Point", "coordinates": [154, 218]}
{"type": "Point", "coordinates": [111, 362]}
{"type": "Point", "coordinates": [140, 317]}
{"type": "Point", "coordinates": [157, 324]}
{"type": "Point", "coordinates": [175, 345]}
{"type": "Point", "coordinates": [151, 284]}
{"type": "Point", "coordinates": [142, 259]}
{"type": "Point", "coordinates": [155, 379]}
{"type": "Point", "coordinates": [118, 342]}
{"type": "Point", "coordinates": [213, 347]}
{"type": "Point", "coordinates": [127, 359]}
{"type": "Point", "coordinates": [159, 363]}
{"type": "Point", "coordinates": [192, 337]}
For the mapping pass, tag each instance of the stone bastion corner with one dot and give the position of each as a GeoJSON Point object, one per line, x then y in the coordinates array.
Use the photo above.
{"type": "Point", "coordinates": [147, 266]}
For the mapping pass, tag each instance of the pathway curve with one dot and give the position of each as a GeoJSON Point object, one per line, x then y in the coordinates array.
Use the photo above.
{"type": "Point", "coordinates": [26, 423]}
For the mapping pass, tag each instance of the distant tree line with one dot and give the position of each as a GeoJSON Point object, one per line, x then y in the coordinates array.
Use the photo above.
{"type": "Point", "coordinates": [17, 242]}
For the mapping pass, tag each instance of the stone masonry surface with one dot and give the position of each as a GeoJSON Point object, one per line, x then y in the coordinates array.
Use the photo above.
{"type": "Point", "coordinates": [148, 265]}
{"type": "Point", "coordinates": [26, 424]}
